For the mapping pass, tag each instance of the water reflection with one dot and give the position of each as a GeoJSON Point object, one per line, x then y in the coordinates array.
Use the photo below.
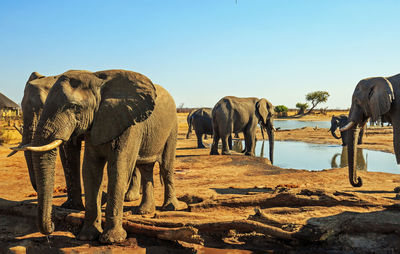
{"type": "Point", "coordinates": [302, 155]}
{"type": "Point", "coordinates": [238, 146]}
{"type": "Point", "coordinates": [344, 162]}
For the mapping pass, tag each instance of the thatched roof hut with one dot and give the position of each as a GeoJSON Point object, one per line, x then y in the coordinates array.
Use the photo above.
{"type": "Point", "coordinates": [6, 103]}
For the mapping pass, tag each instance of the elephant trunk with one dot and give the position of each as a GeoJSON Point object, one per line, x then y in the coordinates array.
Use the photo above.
{"type": "Point", "coordinates": [271, 139]}
{"type": "Point", "coordinates": [396, 140]}
{"type": "Point", "coordinates": [29, 128]}
{"type": "Point", "coordinates": [334, 134]}
{"type": "Point", "coordinates": [48, 131]}
{"type": "Point", "coordinates": [44, 164]}
{"type": "Point", "coordinates": [352, 155]}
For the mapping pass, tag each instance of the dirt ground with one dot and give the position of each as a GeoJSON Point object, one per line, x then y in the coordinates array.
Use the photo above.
{"type": "Point", "coordinates": [295, 211]}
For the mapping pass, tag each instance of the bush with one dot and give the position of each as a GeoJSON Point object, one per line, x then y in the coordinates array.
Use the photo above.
{"type": "Point", "coordinates": [302, 107]}
{"type": "Point", "coordinates": [281, 110]}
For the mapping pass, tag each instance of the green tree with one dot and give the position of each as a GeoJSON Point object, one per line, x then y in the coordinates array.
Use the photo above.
{"type": "Point", "coordinates": [302, 107]}
{"type": "Point", "coordinates": [281, 110]}
{"type": "Point", "coordinates": [316, 98]}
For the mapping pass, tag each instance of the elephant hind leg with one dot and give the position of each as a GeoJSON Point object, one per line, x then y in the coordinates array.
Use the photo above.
{"type": "Point", "coordinates": [133, 192]}
{"type": "Point", "coordinates": [216, 137]}
{"type": "Point", "coordinates": [167, 174]}
{"type": "Point", "coordinates": [200, 143]}
{"type": "Point", "coordinates": [147, 205]}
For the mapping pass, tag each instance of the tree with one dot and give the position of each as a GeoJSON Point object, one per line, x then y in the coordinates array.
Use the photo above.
{"type": "Point", "coordinates": [281, 110]}
{"type": "Point", "coordinates": [316, 98]}
{"type": "Point", "coordinates": [302, 107]}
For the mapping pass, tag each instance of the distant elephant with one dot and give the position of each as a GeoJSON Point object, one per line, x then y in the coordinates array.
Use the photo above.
{"type": "Point", "coordinates": [200, 120]}
{"type": "Point", "coordinates": [234, 114]}
{"type": "Point", "coordinates": [373, 97]}
{"type": "Point", "coordinates": [344, 162]}
{"type": "Point", "coordinates": [126, 121]}
{"type": "Point", "coordinates": [340, 122]}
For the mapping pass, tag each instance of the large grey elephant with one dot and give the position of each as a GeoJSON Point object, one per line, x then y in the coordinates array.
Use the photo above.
{"type": "Point", "coordinates": [340, 122]}
{"type": "Point", "coordinates": [372, 98]}
{"type": "Point", "coordinates": [201, 121]}
{"type": "Point", "coordinates": [234, 114]}
{"type": "Point", "coordinates": [35, 93]}
{"type": "Point", "coordinates": [126, 121]}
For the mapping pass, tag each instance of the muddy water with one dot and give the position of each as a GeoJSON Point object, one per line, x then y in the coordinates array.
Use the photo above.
{"type": "Point", "coordinates": [302, 155]}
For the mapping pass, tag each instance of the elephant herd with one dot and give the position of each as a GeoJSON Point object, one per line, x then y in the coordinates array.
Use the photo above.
{"type": "Point", "coordinates": [129, 124]}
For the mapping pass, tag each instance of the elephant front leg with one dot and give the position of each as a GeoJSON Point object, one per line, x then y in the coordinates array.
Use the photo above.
{"type": "Point", "coordinates": [133, 192]}
{"type": "Point", "coordinates": [147, 205]}
{"type": "Point", "coordinates": [118, 175]}
{"type": "Point", "coordinates": [70, 158]}
{"type": "Point", "coordinates": [92, 172]}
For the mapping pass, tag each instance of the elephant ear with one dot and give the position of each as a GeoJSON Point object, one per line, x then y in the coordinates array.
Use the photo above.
{"type": "Point", "coordinates": [127, 98]}
{"type": "Point", "coordinates": [264, 109]}
{"type": "Point", "coordinates": [380, 98]}
{"type": "Point", "coordinates": [34, 76]}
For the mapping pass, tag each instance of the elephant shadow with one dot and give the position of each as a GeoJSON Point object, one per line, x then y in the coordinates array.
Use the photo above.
{"type": "Point", "coordinates": [344, 162]}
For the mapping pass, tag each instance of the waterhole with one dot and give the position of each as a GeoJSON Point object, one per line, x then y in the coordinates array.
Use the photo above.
{"type": "Point", "coordinates": [308, 156]}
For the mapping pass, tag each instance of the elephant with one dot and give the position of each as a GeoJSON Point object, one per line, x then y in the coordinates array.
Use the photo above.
{"type": "Point", "coordinates": [35, 93]}
{"type": "Point", "coordinates": [373, 98]}
{"type": "Point", "coordinates": [339, 122]}
{"type": "Point", "coordinates": [36, 90]}
{"type": "Point", "coordinates": [200, 120]}
{"type": "Point", "coordinates": [126, 120]}
{"type": "Point", "coordinates": [235, 114]}
{"type": "Point", "coordinates": [361, 164]}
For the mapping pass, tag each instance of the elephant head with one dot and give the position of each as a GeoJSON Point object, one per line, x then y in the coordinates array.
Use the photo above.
{"type": "Point", "coordinates": [372, 98]}
{"type": "Point", "coordinates": [101, 105]}
{"type": "Point", "coordinates": [334, 126]}
{"type": "Point", "coordinates": [265, 112]}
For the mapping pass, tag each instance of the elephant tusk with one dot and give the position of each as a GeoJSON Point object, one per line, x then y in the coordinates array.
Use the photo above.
{"type": "Point", "coordinates": [348, 126]}
{"type": "Point", "coordinates": [273, 128]}
{"type": "Point", "coordinates": [12, 153]}
{"type": "Point", "coordinates": [44, 148]}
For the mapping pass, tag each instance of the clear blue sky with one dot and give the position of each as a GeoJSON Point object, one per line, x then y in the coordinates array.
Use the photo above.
{"type": "Point", "coordinates": [203, 50]}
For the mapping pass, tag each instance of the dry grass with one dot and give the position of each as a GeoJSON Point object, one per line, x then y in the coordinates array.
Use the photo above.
{"type": "Point", "coordinates": [8, 134]}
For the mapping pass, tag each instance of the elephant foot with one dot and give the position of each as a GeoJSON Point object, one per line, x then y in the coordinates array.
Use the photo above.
{"type": "Point", "coordinates": [146, 208]}
{"type": "Point", "coordinates": [89, 233]}
{"type": "Point", "coordinates": [201, 146]}
{"type": "Point", "coordinates": [72, 204]}
{"type": "Point", "coordinates": [249, 154]}
{"type": "Point", "coordinates": [214, 152]}
{"type": "Point", "coordinates": [132, 196]}
{"type": "Point", "coordinates": [171, 204]}
{"type": "Point", "coordinates": [226, 153]}
{"type": "Point", "coordinates": [114, 235]}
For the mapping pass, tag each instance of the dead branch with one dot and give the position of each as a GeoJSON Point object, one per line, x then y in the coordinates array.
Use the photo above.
{"type": "Point", "coordinates": [289, 199]}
